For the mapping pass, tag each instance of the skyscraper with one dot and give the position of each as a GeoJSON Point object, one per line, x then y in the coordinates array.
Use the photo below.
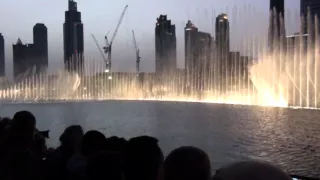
{"type": "Point", "coordinates": [314, 7]}
{"type": "Point", "coordinates": [278, 6]}
{"type": "Point", "coordinates": [222, 49]}
{"type": "Point", "coordinates": [40, 41]}
{"type": "Point", "coordinates": [73, 39]}
{"type": "Point", "coordinates": [166, 46]}
{"type": "Point", "coordinates": [2, 57]}
{"type": "Point", "coordinates": [222, 35]}
{"type": "Point", "coordinates": [190, 38]}
{"type": "Point", "coordinates": [23, 60]}
{"type": "Point", "coordinates": [277, 30]}
{"type": "Point", "coordinates": [197, 56]}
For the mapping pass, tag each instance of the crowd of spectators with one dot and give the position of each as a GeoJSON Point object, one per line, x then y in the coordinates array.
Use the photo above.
{"type": "Point", "coordinates": [92, 156]}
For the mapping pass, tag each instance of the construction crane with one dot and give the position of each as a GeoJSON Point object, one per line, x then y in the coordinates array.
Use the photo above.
{"type": "Point", "coordinates": [108, 47]}
{"type": "Point", "coordinates": [101, 52]}
{"type": "Point", "coordinates": [137, 53]}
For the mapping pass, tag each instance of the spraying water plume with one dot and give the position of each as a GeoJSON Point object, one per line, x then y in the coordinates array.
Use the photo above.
{"type": "Point", "coordinates": [285, 75]}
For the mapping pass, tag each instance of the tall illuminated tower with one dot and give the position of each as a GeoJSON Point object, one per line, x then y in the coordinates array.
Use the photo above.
{"type": "Point", "coordinates": [197, 56]}
{"type": "Point", "coordinates": [40, 41]}
{"type": "Point", "coordinates": [2, 57]}
{"type": "Point", "coordinates": [222, 49]}
{"type": "Point", "coordinates": [73, 39]}
{"type": "Point", "coordinates": [165, 46]}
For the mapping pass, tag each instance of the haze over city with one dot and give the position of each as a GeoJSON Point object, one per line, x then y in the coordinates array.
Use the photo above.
{"type": "Point", "coordinates": [100, 16]}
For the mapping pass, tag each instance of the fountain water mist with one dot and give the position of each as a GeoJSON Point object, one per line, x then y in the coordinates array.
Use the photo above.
{"type": "Point", "coordinates": [289, 76]}
{"type": "Point", "coordinates": [286, 76]}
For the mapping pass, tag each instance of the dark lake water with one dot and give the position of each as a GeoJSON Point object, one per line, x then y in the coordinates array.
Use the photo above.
{"type": "Point", "coordinates": [289, 138]}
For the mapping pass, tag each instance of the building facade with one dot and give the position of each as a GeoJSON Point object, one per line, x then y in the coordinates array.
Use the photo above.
{"type": "Point", "coordinates": [73, 39]}
{"type": "Point", "coordinates": [165, 46]}
{"type": "Point", "coordinates": [222, 50]}
{"type": "Point", "coordinates": [198, 60]}
{"type": "Point", "coordinates": [23, 64]}
{"type": "Point", "coordinates": [40, 41]}
{"type": "Point", "coordinates": [2, 57]}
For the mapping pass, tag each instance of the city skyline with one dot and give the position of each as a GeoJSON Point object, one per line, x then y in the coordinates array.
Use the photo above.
{"type": "Point", "coordinates": [31, 58]}
{"type": "Point", "coordinates": [201, 14]}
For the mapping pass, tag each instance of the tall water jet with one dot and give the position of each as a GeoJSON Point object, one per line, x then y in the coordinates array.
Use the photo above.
{"type": "Point", "coordinates": [284, 74]}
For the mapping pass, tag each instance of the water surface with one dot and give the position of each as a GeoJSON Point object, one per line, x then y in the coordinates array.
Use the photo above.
{"type": "Point", "coordinates": [287, 137]}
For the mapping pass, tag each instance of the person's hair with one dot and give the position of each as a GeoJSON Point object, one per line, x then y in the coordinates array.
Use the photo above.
{"type": "Point", "coordinates": [116, 144]}
{"type": "Point", "coordinates": [4, 123]}
{"type": "Point", "coordinates": [105, 165]}
{"type": "Point", "coordinates": [142, 158]}
{"type": "Point", "coordinates": [71, 138]}
{"type": "Point", "coordinates": [92, 141]}
{"type": "Point", "coordinates": [70, 133]}
{"type": "Point", "coordinates": [187, 163]}
{"type": "Point", "coordinates": [24, 121]}
{"type": "Point", "coordinates": [250, 170]}
{"type": "Point", "coordinates": [22, 129]}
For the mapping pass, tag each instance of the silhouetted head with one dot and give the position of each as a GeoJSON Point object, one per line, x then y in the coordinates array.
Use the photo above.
{"type": "Point", "coordinates": [143, 159]}
{"type": "Point", "coordinates": [24, 120]}
{"type": "Point", "coordinates": [5, 123]}
{"type": "Point", "coordinates": [23, 128]}
{"type": "Point", "coordinates": [250, 170]}
{"type": "Point", "coordinates": [105, 165]}
{"type": "Point", "coordinates": [116, 144]}
{"type": "Point", "coordinates": [187, 163]}
{"type": "Point", "coordinates": [92, 142]}
{"type": "Point", "coordinates": [71, 138]}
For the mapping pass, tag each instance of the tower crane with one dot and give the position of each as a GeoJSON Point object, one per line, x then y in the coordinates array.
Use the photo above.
{"type": "Point", "coordinates": [108, 47]}
{"type": "Point", "coordinates": [101, 52]}
{"type": "Point", "coordinates": [137, 53]}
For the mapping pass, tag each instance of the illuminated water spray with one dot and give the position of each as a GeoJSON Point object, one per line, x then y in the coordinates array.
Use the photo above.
{"type": "Point", "coordinates": [284, 77]}
{"type": "Point", "coordinates": [288, 76]}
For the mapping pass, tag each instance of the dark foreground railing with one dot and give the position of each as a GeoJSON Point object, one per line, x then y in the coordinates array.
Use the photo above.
{"type": "Point", "coordinates": [295, 177]}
